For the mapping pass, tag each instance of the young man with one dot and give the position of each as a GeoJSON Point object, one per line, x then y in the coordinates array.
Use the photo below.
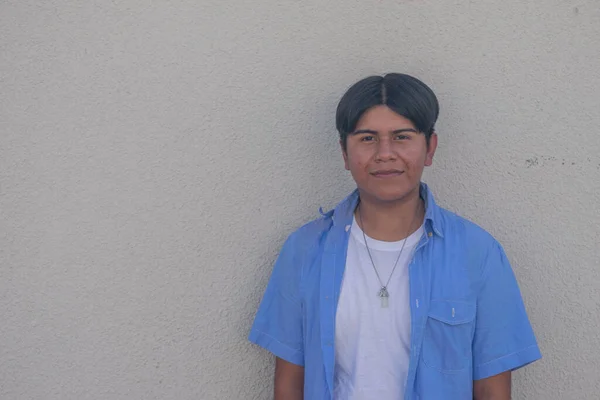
{"type": "Point", "coordinates": [389, 296]}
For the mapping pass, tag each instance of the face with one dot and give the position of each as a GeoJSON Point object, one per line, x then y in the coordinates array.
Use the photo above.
{"type": "Point", "coordinates": [386, 155]}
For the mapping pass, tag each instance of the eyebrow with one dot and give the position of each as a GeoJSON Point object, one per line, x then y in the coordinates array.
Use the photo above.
{"type": "Point", "coordinates": [372, 132]}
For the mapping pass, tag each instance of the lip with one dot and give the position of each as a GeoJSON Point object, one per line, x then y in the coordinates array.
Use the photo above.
{"type": "Point", "coordinates": [387, 173]}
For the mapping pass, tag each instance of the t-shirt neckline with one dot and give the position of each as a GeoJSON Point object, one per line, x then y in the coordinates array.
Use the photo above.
{"type": "Point", "coordinates": [375, 244]}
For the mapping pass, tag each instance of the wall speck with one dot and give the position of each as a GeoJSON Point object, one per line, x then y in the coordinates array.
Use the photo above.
{"type": "Point", "coordinates": [532, 162]}
{"type": "Point", "coordinates": [576, 10]}
{"type": "Point", "coordinates": [541, 161]}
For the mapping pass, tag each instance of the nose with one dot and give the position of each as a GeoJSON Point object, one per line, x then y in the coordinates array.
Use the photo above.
{"type": "Point", "coordinates": [385, 152]}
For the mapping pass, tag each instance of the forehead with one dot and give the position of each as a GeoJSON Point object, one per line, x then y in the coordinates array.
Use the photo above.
{"type": "Point", "coordinates": [382, 118]}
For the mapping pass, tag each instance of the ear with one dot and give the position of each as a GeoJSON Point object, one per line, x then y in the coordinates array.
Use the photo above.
{"type": "Point", "coordinates": [433, 142]}
{"type": "Point", "coordinates": [345, 155]}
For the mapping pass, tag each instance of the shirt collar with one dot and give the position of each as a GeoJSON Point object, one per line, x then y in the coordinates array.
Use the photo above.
{"type": "Point", "coordinates": [344, 211]}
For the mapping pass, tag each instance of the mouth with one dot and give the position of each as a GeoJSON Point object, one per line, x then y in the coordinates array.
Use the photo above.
{"type": "Point", "coordinates": [388, 173]}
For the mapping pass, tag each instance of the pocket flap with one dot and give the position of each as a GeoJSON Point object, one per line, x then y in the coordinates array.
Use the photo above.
{"type": "Point", "coordinates": [452, 312]}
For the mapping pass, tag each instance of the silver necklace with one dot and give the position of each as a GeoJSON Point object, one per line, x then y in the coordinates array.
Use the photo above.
{"type": "Point", "coordinates": [383, 293]}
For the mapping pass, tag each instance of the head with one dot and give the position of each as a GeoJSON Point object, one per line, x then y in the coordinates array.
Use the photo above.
{"type": "Point", "coordinates": [387, 134]}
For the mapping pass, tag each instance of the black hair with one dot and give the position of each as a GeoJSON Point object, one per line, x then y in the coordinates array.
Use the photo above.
{"type": "Point", "coordinates": [405, 95]}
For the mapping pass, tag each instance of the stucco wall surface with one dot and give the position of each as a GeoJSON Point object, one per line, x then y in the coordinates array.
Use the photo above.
{"type": "Point", "coordinates": [155, 155]}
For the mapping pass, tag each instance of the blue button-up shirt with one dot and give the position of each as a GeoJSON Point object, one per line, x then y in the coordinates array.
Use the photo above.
{"type": "Point", "coordinates": [468, 318]}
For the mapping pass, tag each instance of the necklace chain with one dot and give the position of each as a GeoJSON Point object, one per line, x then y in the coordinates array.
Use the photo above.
{"type": "Point", "coordinates": [383, 292]}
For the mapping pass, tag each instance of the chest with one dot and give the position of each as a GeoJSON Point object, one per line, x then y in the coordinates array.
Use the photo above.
{"type": "Point", "coordinates": [433, 270]}
{"type": "Point", "coordinates": [362, 311]}
{"type": "Point", "coordinates": [439, 288]}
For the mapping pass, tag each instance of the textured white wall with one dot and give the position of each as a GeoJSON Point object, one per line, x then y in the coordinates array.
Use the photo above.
{"type": "Point", "coordinates": [154, 156]}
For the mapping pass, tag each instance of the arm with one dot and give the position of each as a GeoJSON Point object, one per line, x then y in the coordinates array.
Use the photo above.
{"type": "Point", "coordinates": [278, 325]}
{"type": "Point", "coordinates": [495, 387]}
{"type": "Point", "coordinates": [504, 339]}
{"type": "Point", "coordinates": [289, 380]}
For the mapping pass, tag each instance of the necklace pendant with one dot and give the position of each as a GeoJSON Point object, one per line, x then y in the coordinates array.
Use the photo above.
{"type": "Point", "coordinates": [384, 295]}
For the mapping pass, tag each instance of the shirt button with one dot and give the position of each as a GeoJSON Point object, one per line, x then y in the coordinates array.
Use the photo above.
{"type": "Point", "coordinates": [430, 234]}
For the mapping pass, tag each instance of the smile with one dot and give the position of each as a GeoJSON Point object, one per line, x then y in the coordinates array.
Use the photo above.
{"type": "Point", "coordinates": [387, 173]}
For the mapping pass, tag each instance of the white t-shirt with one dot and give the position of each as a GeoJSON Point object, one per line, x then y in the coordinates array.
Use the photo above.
{"type": "Point", "coordinates": [372, 344]}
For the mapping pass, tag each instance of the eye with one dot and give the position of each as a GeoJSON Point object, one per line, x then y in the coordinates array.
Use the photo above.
{"type": "Point", "coordinates": [367, 138]}
{"type": "Point", "coordinates": [401, 137]}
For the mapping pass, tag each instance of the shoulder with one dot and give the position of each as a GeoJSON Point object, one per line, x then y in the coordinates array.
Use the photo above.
{"type": "Point", "coordinates": [473, 241]}
{"type": "Point", "coordinates": [310, 235]}
{"type": "Point", "coordinates": [298, 253]}
{"type": "Point", "coordinates": [305, 244]}
{"type": "Point", "coordinates": [463, 229]}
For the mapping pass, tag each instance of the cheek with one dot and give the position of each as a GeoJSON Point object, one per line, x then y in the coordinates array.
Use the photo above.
{"type": "Point", "coordinates": [415, 158]}
{"type": "Point", "coordinates": [357, 166]}
{"type": "Point", "coordinates": [356, 159]}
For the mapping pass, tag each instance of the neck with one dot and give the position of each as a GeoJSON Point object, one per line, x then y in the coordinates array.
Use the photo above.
{"type": "Point", "coordinates": [391, 221]}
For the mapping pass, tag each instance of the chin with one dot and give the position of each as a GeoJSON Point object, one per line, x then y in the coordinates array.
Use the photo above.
{"type": "Point", "coordinates": [390, 195]}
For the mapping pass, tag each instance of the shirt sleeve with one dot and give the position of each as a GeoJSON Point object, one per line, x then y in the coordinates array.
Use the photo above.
{"type": "Point", "coordinates": [504, 339]}
{"type": "Point", "coordinates": [277, 326]}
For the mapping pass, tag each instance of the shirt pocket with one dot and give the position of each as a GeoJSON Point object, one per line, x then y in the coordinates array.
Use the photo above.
{"type": "Point", "coordinates": [449, 335]}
